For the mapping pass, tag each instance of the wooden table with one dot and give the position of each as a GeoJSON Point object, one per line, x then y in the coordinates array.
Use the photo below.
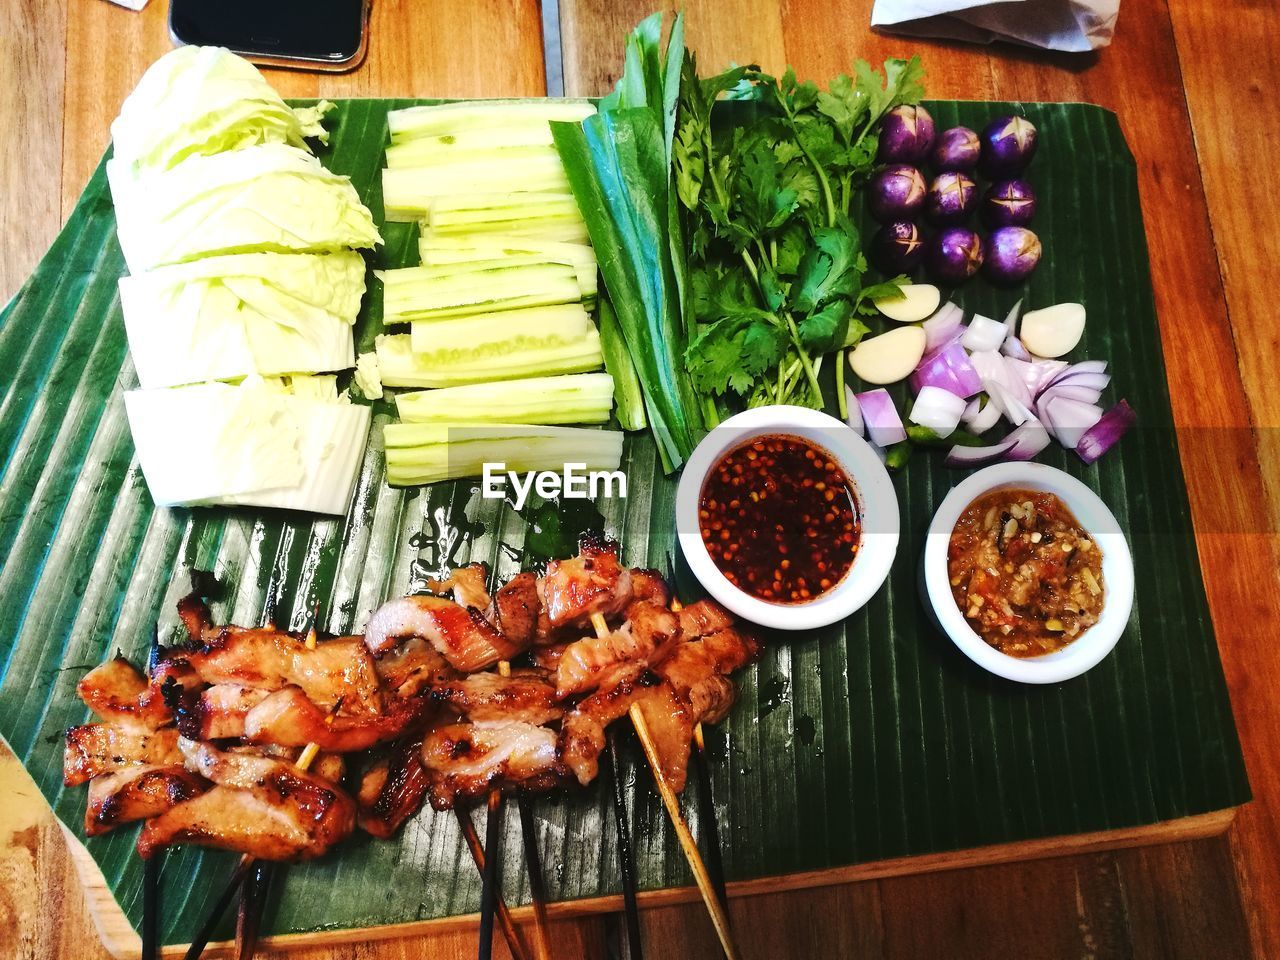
{"type": "Point", "coordinates": [1194, 86]}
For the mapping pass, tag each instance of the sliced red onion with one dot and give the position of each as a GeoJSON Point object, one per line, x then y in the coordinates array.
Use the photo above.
{"type": "Point", "coordinates": [938, 409]}
{"type": "Point", "coordinates": [1012, 317]}
{"type": "Point", "coordinates": [1071, 392]}
{"type": "Point", "coordinates": [989, 365]}
{"type": "Point", "coordinates": [1012, 407]}
{"type": "Point", "coordinates": [1035, 374]}
{"type": "Point", "coordinates": [980, 417]}
{"type": "Point", "coordinates": [983, 333]}
{"type": "Point", "coordinates": [942, 326]}
{"type": "Point", "coordinates": [1068, 419]}
{"type": "Point", "coordinates": [854, 415]}
{"type": "Point", "coordinates": [884, 426]}
{"type": "Point", "coordinates": [1021, 444]}
{"type": "Point", "coordinates": [1012, 347]}
{"type": "Point", "coordinates": [1104, 434]}
{"type": "Point", "coordinates": [947, 367]}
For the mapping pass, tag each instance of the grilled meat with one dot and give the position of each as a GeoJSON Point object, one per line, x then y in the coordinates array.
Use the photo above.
{"type": "Point", "coordinates": [289, 718]}
{"type": "Point", "coordinates": [262, 806]}
{"type": "Point", "coordinates": [412, 667]}
{"type": "Point", "coordinates": [463, 759]}
{"type": "Point", "coordinates": [704, 617]}
{"type": "Point", "coordinates": [582, 733]}
{"type": "Point", "coordinates": [648, 586]}
{"type": "Point", "coordinates": [469, 586]}
{"type": "Point", "coordinates": [119, 693]}
{"type": "Point", "coordinates": [137, 793]}
{"type": "Point", "coordinates": [524, 696]}
{"type": "Point", "coordinates": [337, 669]}
{"type": "Point", "coordinates": [216, 712]}
{"type": "Point", "coordinates": [517, 610]}
{"type": "Point", "coordinates": [98, 748]}
{"type": "Point", "coordinates": [463, 636]}
{"type": "Point", "coordinates": [392, 789]}
{"type": "Point", "coordinates": [590, 583]}
{"type": "Point", "coordinates": [645, 637]}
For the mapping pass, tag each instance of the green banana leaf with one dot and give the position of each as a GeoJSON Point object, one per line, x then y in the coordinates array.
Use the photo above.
{"type": "Point", "coordinates": [871, 739]}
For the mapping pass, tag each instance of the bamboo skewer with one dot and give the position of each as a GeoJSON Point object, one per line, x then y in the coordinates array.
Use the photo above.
{"type": "Point", "coordinates": [625, 853]}
{"type": "Point", "coordinates": [489, 884]}
{"type": "Point", "coordinates": [715, 908]}
{"type": "Point", "coordinates": [505, 919]}
{"type": "Point", "coordinates": [151, 867]}
{"type": "Point", "coordinates": [537, 888]}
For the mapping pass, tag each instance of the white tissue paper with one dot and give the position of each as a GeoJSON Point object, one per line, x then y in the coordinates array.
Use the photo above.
{"type": "Point", "coordinates": [1073, 26]}
{"type": "Point", "coordinates": [131, 4]}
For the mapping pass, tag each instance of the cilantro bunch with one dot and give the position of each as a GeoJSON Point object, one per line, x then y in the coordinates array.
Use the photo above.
{"type": "Point", "coordinates": [766, 180]}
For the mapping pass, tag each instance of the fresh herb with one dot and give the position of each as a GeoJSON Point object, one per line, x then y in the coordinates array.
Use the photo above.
{"type": "Point", "coordinates": [775, 262]}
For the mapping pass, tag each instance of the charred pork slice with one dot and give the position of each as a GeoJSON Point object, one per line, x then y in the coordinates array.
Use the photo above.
{"type": "Point", "coordinates": [582, 733]}
{"type": "Point", "coordinates": [590, 583]}
{"type": "Point", "coordinates": [217, 712]}
{"type": "Point", "coordinates": [524, 696]}
{"type": "Point", "coordinates": [137, 793]}
{"type": "Point", "coordinates": [517, 610]}
{"type": "Point", "coordinates": [412, 667]}
{"type": "Point", "coordinates": [463, 759]}
{"type": "Point", "coordinates": [262, 806]}
{"type": "Point", "coordinates": [392, 789]}
{"type": "Point", "coordinates": [463, 636]}
{"type": "Point", "coordinates": [704, 617]}
{"type": "Point", "coordinates": [289, 718]}
{"type": "Point", "coordinates": [98, 748]}
{"type": "Point", "coordinates": [119, 693]}
{"type": "Point", "coordinates": [592, 661]}
{"type": "Point", "coordinates": [337, 669]}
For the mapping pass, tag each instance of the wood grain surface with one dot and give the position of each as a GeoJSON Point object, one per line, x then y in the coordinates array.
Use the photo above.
{"type": "Point", "coordinates": [1193, 84]}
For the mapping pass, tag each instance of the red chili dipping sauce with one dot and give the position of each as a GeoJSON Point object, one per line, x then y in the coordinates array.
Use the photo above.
{"type": "Point", "coordinates": [780, 519]}
{"type": "Point", "coordinates": [1025, 574]}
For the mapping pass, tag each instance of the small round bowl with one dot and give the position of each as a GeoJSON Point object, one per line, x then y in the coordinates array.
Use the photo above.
{"type": "Point", "coordinates": [876, 500]}
{"type": "Point", "coordinates": [1094, 516]}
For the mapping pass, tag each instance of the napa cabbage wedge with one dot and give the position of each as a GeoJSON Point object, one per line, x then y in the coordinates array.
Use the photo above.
{"type": "Point", "coordinates": [197, 101]}
{"type": "Point", "coordinates": [224, 318]}
{"type": "Point", "coordinates": [266, 442]}
{"type": "Point", "coordinates": [618, 164]}
{"type": "Point", "coordinates": [267, 198]}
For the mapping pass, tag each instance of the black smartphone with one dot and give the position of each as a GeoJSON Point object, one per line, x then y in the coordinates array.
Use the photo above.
{"type": "Point", "coordinates": [309, 34]}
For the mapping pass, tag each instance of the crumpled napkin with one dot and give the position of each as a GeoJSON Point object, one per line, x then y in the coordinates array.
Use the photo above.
{"type": "Point", "coordinates": [134, 5]}
{"type": "Point", "coordinates": [1074, 26]}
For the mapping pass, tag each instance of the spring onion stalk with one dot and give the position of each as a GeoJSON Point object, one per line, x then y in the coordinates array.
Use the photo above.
{"type": "Point", "coordinates": [428, 452]}
{"type": "Point", "coordinates": [617, 360]}
{"type": "Point", "coordinates": [574, 398]}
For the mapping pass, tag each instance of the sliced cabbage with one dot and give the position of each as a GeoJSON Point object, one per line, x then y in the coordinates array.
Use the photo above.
{"type": "Point", "coordinates": [264, 442]}
{"type": "Point", "coordinates": [197, 101]}
{"type": "Point", "coordinates": [268, 198]}
{"type": "Point", "coordinates": [223, 318]}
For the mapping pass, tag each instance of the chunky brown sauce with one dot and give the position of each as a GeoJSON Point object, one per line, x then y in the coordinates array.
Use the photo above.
{"type": "Point", "coordinates": [1025, 574]}
{"type": "Point", "coordinates": [780, 519]}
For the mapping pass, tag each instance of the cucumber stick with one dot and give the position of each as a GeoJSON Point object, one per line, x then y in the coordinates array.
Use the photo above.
{"type": "Point", "coordinates": [429, 452]}
{"type": "Point", "coordinates": [427, 153]}
{"type": "Point", "coordinates": [506, 331]}
{"type": "Point", "coordinates": [446, 119]}
{"type": "Point", "coordinates": [467, 144]}
{"type": "Point", "coordinates": [575, 398]}
{"type": "Point", "coordinates": [399, 366]}
{"type": "Point", "coordinates": [407, 192]}
{"type": "Point", "coordinates": [413, 293]}
{"type": "Point", "coordinates": [455, 262]}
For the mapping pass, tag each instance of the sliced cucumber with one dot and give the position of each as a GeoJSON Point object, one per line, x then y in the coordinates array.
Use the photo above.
{"type": "Point", "coordinates": [575, 398]}
{"type": "Point", "coordinates": [413, 293]}
{"type": "Point", "coordinates": [424, 154]}
{"type": "Point", "coordinates": [497, 333]}
{"type": "Point", "coordinates": [454, 118]}
{"type": "Point", "coordinates": [427, 452]}
{"type": "Point", "coordinates": [401, 367]}
{"type": "Point", "coordinates": [422, 151]}
{"type": "Point", "coordinates": [407, 192]}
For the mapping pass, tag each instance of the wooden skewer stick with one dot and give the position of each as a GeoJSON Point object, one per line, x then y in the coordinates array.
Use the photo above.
{"type": "Point", "coordinates": [691, 853]}
{"type": "Point", "coordinates": [505, 919]}
{"type": "Point", "coordinates": [626, 854]}
{"type": "Point", "coordinates": [151, 867]}
{"type": "Point", "coordinates": [491, 877]}
{"type": "Point", "coordinates": [706, 805]}
{"type": "Point", "coordinates": [537, 887]}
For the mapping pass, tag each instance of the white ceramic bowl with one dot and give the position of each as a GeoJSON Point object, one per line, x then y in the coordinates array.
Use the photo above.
{"type": "Point", "coordinates": [877, 507]}
{"type": "Point", "coordinates": [1094, 516]}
